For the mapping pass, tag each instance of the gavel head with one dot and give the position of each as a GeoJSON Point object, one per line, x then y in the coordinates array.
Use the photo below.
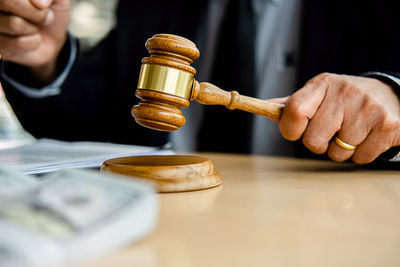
{"type": "Point", "coordinates": [166, 82]}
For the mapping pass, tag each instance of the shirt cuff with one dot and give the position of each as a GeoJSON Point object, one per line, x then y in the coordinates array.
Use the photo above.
{"type": "Point", "coordinates": [394, 82]}
{"type": "Point", "coordinates": [52, 89]}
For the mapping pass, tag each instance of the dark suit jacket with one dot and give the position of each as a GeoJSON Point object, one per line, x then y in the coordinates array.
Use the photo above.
{"type": "Point", "coordinates": [342, 36]}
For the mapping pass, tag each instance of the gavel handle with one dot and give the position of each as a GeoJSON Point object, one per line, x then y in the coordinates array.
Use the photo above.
{"type": "Point", "coordinates": [209, 94]}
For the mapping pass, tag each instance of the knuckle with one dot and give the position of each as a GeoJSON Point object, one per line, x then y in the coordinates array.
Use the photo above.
{"type": "Point", "coordinates": [370, 106]}
{"type": "Point", "coordinates": [295, 108]}
{"type": "Point", "coordinates": [337, 157]}
{"type": "Point", "coordinates": [348, 91]}
{"type": "Point", "coordinates": [323, 80]}
{"type": "Point", "coordinates": [388, 124]}
{"type": "Point", "coordinates": [24, 43]}
{"type": "Point", "coordinates": [16, 24]}
{"type": "Point", "coordinates": [314, 143]}
{"type": "Point", "coordinates": [325, 76]}
{"type": "Point", "coordinates": [286, 129]}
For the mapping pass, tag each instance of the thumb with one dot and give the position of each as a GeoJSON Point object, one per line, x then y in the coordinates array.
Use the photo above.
{"type": "Point", "coordinates": [42, 4]}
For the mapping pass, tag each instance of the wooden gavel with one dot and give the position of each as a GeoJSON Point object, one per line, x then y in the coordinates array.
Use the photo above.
{"type": "Point", "coordinates": [166, 84]}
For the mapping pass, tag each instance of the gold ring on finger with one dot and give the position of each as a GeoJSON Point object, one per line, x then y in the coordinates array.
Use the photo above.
{"type": "Point", "coordinates": [343, 144]}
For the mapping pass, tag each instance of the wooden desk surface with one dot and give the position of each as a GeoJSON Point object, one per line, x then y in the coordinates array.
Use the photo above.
{"type": "Point", "coordinates": [276, 212]}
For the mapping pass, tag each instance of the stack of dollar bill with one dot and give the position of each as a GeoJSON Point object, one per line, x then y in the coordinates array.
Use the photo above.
{"type": "Point", "coordinates": [70, 215]}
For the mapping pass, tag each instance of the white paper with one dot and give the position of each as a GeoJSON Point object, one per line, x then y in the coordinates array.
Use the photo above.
{"type": "Point", "coordinates": [46, 155]}
{"type": "Point", "coordinates": [13, 183]}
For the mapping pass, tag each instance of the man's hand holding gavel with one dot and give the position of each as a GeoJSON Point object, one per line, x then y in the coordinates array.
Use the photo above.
{"type": "Point", "coordinates": [362, 112]}
{"type": "Point", "coordinates": [33, 32]}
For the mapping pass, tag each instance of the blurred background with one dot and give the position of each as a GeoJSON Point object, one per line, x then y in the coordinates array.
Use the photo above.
{"type": "Point", "coordinates": [90, 21]}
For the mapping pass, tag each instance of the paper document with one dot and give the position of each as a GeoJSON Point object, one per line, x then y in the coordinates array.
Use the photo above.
{"type": "Point", "coordinates": [71, 215]}
{"type": "Point", "coordinates": [47, 155]}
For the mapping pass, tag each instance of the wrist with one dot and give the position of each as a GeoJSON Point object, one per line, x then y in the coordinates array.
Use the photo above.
{"type": "Point", "coordinates": [44, 74]}
{"type": "Point", "coordinates": [31, 80]}
{"type": "Point", "coordinates": [391, 79]}
{"type": "Point", "coordinates": [387, 78]}
{"type": "Point", "coordinates": [20, 78]}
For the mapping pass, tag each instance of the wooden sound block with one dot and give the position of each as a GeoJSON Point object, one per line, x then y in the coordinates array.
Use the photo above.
{"type": "Point", "coordinates": [172, 173]}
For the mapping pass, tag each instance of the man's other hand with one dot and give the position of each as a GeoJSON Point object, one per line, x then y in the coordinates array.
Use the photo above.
{"type": "Point", "coordinates": [33, 32]}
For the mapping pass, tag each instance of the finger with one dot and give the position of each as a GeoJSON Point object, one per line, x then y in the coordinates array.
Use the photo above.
{"type": "Point", "coordinates": [14, 25]}
{"type": "Point", "coordinates": [25, 9]}
{"type": "Point", "coordinates": [357, 123]}
{"type": "Point", "coordinates": [352, 133]}
{"type": "Point", "coordinates": [41, 4]}
{"type": "Point", "coordinates": [370, 149]}
{"type": "Point", "coordinates": [381, 138]}
{"type": "Point", "coordinates": [355, 129]}
{"type": "Point", "coordinates": [10, 47]}
{"type": "Point", "coordinates": [326, 121]}
{"type": "Point", "coordinates": [301, 107]}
